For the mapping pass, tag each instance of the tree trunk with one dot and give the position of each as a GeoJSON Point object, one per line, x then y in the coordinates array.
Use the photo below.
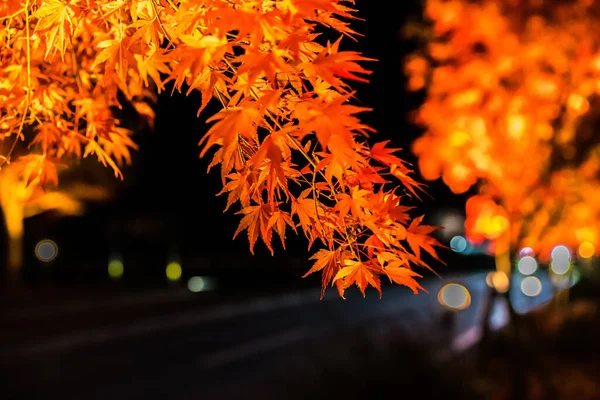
{"type": "Point", "coordinates": [14, 261]}
{"type": "Point", "coordinates": [13, 219]}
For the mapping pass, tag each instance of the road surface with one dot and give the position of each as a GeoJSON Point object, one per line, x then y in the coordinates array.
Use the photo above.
{"type": "Point", "coordinates": [174, 346]}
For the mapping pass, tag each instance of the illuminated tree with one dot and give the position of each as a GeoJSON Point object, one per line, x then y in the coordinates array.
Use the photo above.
{"type": "Point", "coordinates": [291, 149]}
{"type": "Point", "coordinates": [19, 201]}
{"type": "Point", "coordinates": [511, 110]}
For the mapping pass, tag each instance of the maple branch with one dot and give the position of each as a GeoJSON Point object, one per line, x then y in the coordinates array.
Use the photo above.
{"type": "Point", "coordinates": [258, 154]}
{"type": "Point", "coordinates": [28, 34]}
{"type": "Point", "coordinates": [300, 149]}
{"type": "Point", "coordinates": [278, 125]}
{"type": "Point", "coordinates": [19, 133]}
{"type": "Point", "coordinates": [315, 201]}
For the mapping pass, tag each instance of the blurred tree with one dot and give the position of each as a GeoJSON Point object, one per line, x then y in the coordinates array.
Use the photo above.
{"type": "Point", "coordinates": [291, 149]}
{"type": "Point", "coordinates": [510, 113]}
{"type": "Point", "coordinates": [19, 201]}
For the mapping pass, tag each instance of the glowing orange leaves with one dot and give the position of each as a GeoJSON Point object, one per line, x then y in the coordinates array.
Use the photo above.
{"type": "Point", "coordinates": [56, 21]}
{"type": "Point", "coordinates": [511, 110]}
{"type": "Point", "coordinates": [291, 147]}
{"type": "Point", "coordinates": [485, 219]}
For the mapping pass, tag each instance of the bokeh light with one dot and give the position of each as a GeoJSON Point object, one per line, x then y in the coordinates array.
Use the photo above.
{"type": "Point", "coordinates": [173, 271]}
{"type": "Point", "coordinates": [586, 250]}
{"type": "Point", "coordinates": [560, 267]}
{"type": "Point", "coordinates": [196, 284]}
{"type": "Point", "coordinates": [500, 281]}
{"type": "Point", "coordinates": [458, 244]}
{"type": "Point", "coordinates": [527, 265]}
{"type": "Point", "coordinates": [116, 268]}
{"type": "Point", "coordinates": [454, 296]}
{"type": "Point", "coordinates": [452, 222]}
{"type": "Point", "coordinates": [46, 250]}
{"type": "Point", "coordinates": [561, 253]}
{"type": "Point", "coordinates": [489, 279]}
{"type": "Point", "coordinates": [531, 286]}
{"type": "Point", "coordinates": [526, 251]}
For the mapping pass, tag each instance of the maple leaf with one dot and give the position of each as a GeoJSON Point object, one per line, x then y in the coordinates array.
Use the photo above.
{"type": "Point", "coordinates": [418, 238]}
{"type": "Point", "coordinates": [360, 273]}
{"type": "Point", "coordinates": [385, 155]}
{"type": "Point", "coordinates": [401, 172]}
{"type": "Point", "coordinates": [257, 221]}
{"type": "Point", "coordinates": [308, 210]}
{"type": "Point", "coordinates": [38, 167]}
{"type": "Point", "coordinates": [273, 174]}
{"type": "Point", "coordinates": [404, 276]}
{"type": "Point", "coordinates": [331, 64]}
{"type": "Point", "coordinates": [197, 53]}
{"type": "Point", "coordinates": [354, 203]}
{"type": "Point", "coordinates": [331, 119]}
{"type": "Point", "coordinates": [57, 20]}
{"type": "Point", "coordinates": [327, 261]}
{"type": "Point", "coordinates": [152, 64]}
{"type": "Point", "coordinates": [269, 64]}
{"type": "Point", "coordinates": [229, 124]}
{"type": "Point", "coordinates": [116, 145]}
{"type": "Point", "coordinates": [116, 57]}
{"type": "Point", "coordinates": [278, 221]}
{"type": "Point", "coordinates": [207, 82]}
{"type": "Point", "coordinates": [93, 147]}
{"type": "Point", "coordinates": [238, 187]}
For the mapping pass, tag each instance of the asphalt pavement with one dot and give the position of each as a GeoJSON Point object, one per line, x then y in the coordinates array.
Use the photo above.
{"type": "Point", "coordinates": [179, 345]}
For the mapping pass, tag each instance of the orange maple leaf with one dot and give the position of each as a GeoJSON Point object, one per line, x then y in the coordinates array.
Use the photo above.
{"type": "Point", "coordinates": [360, 273]}
{"type": "Point", "coordinates": [418, 238]}
{"type": "Point", "coordinates": [328, 262]}
{"type": "Point", "coordinates": [56, 21]}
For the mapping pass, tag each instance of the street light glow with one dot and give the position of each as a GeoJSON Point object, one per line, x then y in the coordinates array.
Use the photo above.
{"type": "Point", "coordinates": [454, 296]}
{"type": "Point", "coordinates": [173, 271]}
{"type": "Point", "coordinates": [527, 265]}
{"type": "Point", "coordinates": [531, 286]}
{"type": "Point", "coordinates": [46, 250]}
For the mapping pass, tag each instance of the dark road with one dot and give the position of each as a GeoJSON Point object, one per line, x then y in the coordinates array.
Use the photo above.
{"type": "Point", "coordinates": [178, 347]}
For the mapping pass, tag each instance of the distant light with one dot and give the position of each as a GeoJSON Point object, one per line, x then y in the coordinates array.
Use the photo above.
{"type": "Point", "coordinates": [526, 251]}
{"type": "Point", "coordinates": [454, 296]}
{"type": "Point", "coordinates": [527, 265]}
{"type": "Point", "coordinates": [500, 223]}
{"type": "Point", "coordinates": [458, 244]}
{"type": "Point", "coordinates": [500, 281]}
{"type": "Point", "coordinates": [531, 286]}
{"type": "Point", "coordinates": [453, 224]}
{"type": "Point", "coordinates": [500, 315]}
{"type": "Point", "coordinates": [560, 267]}
{"type": "Point", "coordinates": [46, 250]}
{"type": "Point", "coordinates": [196, 284]}
{"type": "Point", "coordinates": [173, 271]}
{"type": "Point", "coordinates": [561, 253]}
{"type": "Point", "coordinates": [115, 268]}
{"type": "Point", "coordinates": [586, 250]}
{"type": "Point", "coordinates": [489, 279]}
{"type": "Point", "coordinates": [560, 281]}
